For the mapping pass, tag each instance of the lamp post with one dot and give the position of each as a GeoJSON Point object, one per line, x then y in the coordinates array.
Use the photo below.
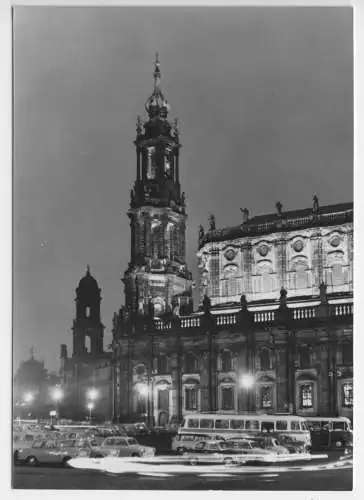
{"type": "Point", "coordinates": [247, 381]}
{"type": "Point", "coordinates": [91, 395]}
{"type": "Point", "coordinates": [143, 390]}
{"type": "Point", "coordinates": [57, 396]}
{"type": "Point", "coordinates": [90, 407]}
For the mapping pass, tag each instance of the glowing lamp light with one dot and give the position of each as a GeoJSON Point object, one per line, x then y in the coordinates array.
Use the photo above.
{"type": "Point", "coordinates": [53, 413]}
{"type": "Point", "coordinates": [143, 390]}
{"type": "Point", "coordinates": [92, 394]}
{"type": "Point", "coordinates": [247, 381]}
{"type": "Point", "coordinates": [57, 394]}
{"type": "Point", "coordinates": [90, 406]}
{"type": "Point", "coordinates": [28, 397]}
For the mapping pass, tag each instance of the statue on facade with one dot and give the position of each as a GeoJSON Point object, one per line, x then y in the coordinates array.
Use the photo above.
{"type": "Point", "coordinates": [279, 208]}
{"type": "Point", "coordinates": [175, 128]}
{"type": "Point", "coordinates": [315, 205]}
{"type": "Point", "coordinates": [201, 233]}
{"type": "Point", "coordinates": [212, 223]}
{"type": "Point", "coordinates": [206, 304]}
{"type": "Point", "coordinates": [132, 196]}
{"type": "Point", "coordinates": [183, 199]}
{"type": "Point", "coordinates": [245, 215]}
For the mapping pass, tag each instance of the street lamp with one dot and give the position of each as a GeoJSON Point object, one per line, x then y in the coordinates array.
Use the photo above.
{"type": "Point", "coordinates": [57, 396]}
{"type": "Point", "coordinates": [28, 397]}
{"type": "Point", "coordinates": [91, 395]}
{"type": "Point", "coordinates": [90, 407]}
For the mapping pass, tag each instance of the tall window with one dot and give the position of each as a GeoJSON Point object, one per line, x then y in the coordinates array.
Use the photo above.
{"type": "Point", "coordinates": [151, 164]}
{"type": "Point", "coordinates": [170, 240]}
{"type": "Point", "coordinates": [141, 404]}
{"type": "Point", "coordinates": [347, 354]}
{"type": "Point", "coordinates": [191, 398]}
{"type": "Point", "coordinates": [88, 310]}
{"type": "Point", "coordinates": [264, 359]}
{"type": "Point", "coordinates": [157, 240]}
{"type": "Point", "coordinates": [338, 276]}
{"type": "Point", "coordinates": [227, 398]}
{"type": "Point", "coordinates": [215, 274]}
{"type": "Point", "coordinates": [306, 396]}
{"type": "Point", "coordinates": [266, 396]}
{"type": "Point", "coordinates": [163, 399]}
{"type": "Point", "coordinates": [347, 394]}
{"type": "Point", "coordinates": [226, 365]}
{"type": "Point", "coordinates": [264, 282]}
{"type": "Point", "coordinates": [162, 363]}
{"type": "Point", "coordinates": [190, 363]}
{"type": "Point", "coordinates": [305, 357]}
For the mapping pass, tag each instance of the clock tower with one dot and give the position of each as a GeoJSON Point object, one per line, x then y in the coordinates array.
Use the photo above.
{"type": "Point", "coordinates": [157, 275]}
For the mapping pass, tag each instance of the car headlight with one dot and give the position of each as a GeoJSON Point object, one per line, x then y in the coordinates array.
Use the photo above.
{"type": "Point", "coordinates": [142, 450]}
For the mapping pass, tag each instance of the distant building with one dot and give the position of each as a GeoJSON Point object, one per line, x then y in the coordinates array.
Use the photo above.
{"type": "Point", "coordinates": [89, 366]}
{"type": "Point", "coordinates": [32, 389]}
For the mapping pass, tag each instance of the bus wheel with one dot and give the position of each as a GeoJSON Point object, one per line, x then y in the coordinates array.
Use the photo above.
{"type": "Point", "coordinates": [194, 461]}
{"type": "Point", "coordinates": [181, 450]}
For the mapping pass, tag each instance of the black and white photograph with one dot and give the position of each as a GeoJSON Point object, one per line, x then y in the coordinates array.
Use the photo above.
{"type": "Point", "coordinates": [182, 248]}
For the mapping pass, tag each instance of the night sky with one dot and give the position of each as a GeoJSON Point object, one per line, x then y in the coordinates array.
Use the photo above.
{"type": "Point", "coordinates": [265, 102]}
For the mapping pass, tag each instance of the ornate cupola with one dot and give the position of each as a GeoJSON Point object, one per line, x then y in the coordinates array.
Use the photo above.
{"type": "Point", "coordinates": [157, 270]}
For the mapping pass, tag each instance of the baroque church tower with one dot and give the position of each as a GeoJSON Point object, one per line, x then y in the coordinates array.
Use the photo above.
{"type": "Point", "coordinates": [157, 279]}
{"type": "Point", "coordinates": [87, 324]}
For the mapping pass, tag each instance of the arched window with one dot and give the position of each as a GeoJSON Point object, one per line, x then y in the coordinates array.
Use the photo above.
{"type": "Point", "coordinates": [266, 396]}
{"type": "Point", "coordinates": [264, 359]}
{"type": "Point", "coordinates": [157, 240]}
{"type": "Point", "coordinates": [300, 275]}
{"type": "Point", "coordinates": [306, 396]}
{"type": "Point", "coordinates": [191, 398]}
{"type": "Point", "coordinates": [191, 363]}
{"type": "Point", "coordinates": [151, 163]}
{"type": "Point", "coordinates": [226, 364]}
{"type": "Point", "coordinates": [338, 275]}
{"type": "Point", "coordinates": [264, 282]}
{"type": "Point", "coordinates": [231, 282]}
{"type": "Point", "coordinates": [227, 398]}
{"type": "Point", "coordinates": [305, 357]}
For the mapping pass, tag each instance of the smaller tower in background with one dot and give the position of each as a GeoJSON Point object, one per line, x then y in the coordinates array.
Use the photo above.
{"type": "Point", "coordinates": [87, 324]}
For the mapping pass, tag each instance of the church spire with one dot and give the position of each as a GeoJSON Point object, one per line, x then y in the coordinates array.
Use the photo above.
{"type": "Point", "coordinates": [157, 105]}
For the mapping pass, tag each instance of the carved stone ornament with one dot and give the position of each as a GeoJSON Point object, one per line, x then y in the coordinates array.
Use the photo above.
{"type": "Point", "coordinates": [335, 241]}
{"type": "Point", "coordinates": [230, 254]}
{"type": "Point", "coordinates": [263, 250]}
{"type": "Point", "coordinates": [298, 245]}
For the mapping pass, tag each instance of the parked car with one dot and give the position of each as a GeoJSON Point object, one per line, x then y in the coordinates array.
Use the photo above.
{"type": "Point", "coordinates": [52, 452]}
{"type": "Point", "coordinates": [185, 442]}
{"type": "Point", "coordinates": [269, 442]}
{"type": "Point", "coordinates": [125, 447]}
{"type": "Point", "coordinates": [290, 444]}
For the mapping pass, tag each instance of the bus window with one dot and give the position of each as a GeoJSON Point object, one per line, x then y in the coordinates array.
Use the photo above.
{"type": "Point", "coordinates": [183, 423]}
{"type": "Point", "coordinates": [339, 426]}
{"type": "Point", "coordinates": [281, 425]}
{"type": "Point", "coordinates": [267, 427]}
{"type": "Point", "coordinates": [221, 424]}
{"type": "Point", "coordinates": [314, 425]}
{"type": "Point", "coordinates": [295, 425]}
{"type": "Point", "coordinates": [206, 423]}
{"type": "Point", "coordinates": [192, 423]}
{"type": "Point", "coordinates": [237, 424]}
{"type": "Point", "coordinates": [304, 426]}
{"type": "Point", "coordinates": [252, 425]}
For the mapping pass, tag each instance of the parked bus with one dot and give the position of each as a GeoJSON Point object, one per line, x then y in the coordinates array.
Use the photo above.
{"type": "Point", "coordinates": [330, 432]}
{"type": "Point", "coordinates": [234, 425]}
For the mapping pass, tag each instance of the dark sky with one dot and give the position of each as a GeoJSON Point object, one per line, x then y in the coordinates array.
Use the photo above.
{"type": "Point", "coordinates": [264, 98]}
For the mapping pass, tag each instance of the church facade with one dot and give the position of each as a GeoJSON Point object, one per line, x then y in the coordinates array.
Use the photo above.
{"type": "Point", "coordinates": [276, 301]}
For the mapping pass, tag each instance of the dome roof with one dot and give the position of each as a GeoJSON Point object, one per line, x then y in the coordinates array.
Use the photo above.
{"type": "Point", "coordinates": [88, 283]}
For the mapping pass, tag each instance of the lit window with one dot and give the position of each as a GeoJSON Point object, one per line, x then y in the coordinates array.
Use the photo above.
{"type": "Point", "coordinates": [306, 396]}
{"type": "Point", "coordinates": [88, 310]}
{"type": "Point", "coordinates": [151, 163]}
{"type": "Point", "coordinates": [266, 397]}
{"type": "Point", "coordinates": [347, 390]}
{"type": "Point", "coordinates": [227, 398]}
{"type": "Point", "coordinates": [191, 400]}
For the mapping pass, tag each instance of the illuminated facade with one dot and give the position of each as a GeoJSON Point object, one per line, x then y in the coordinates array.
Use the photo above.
{"type": "Point", "coordinates": [276, 302]}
